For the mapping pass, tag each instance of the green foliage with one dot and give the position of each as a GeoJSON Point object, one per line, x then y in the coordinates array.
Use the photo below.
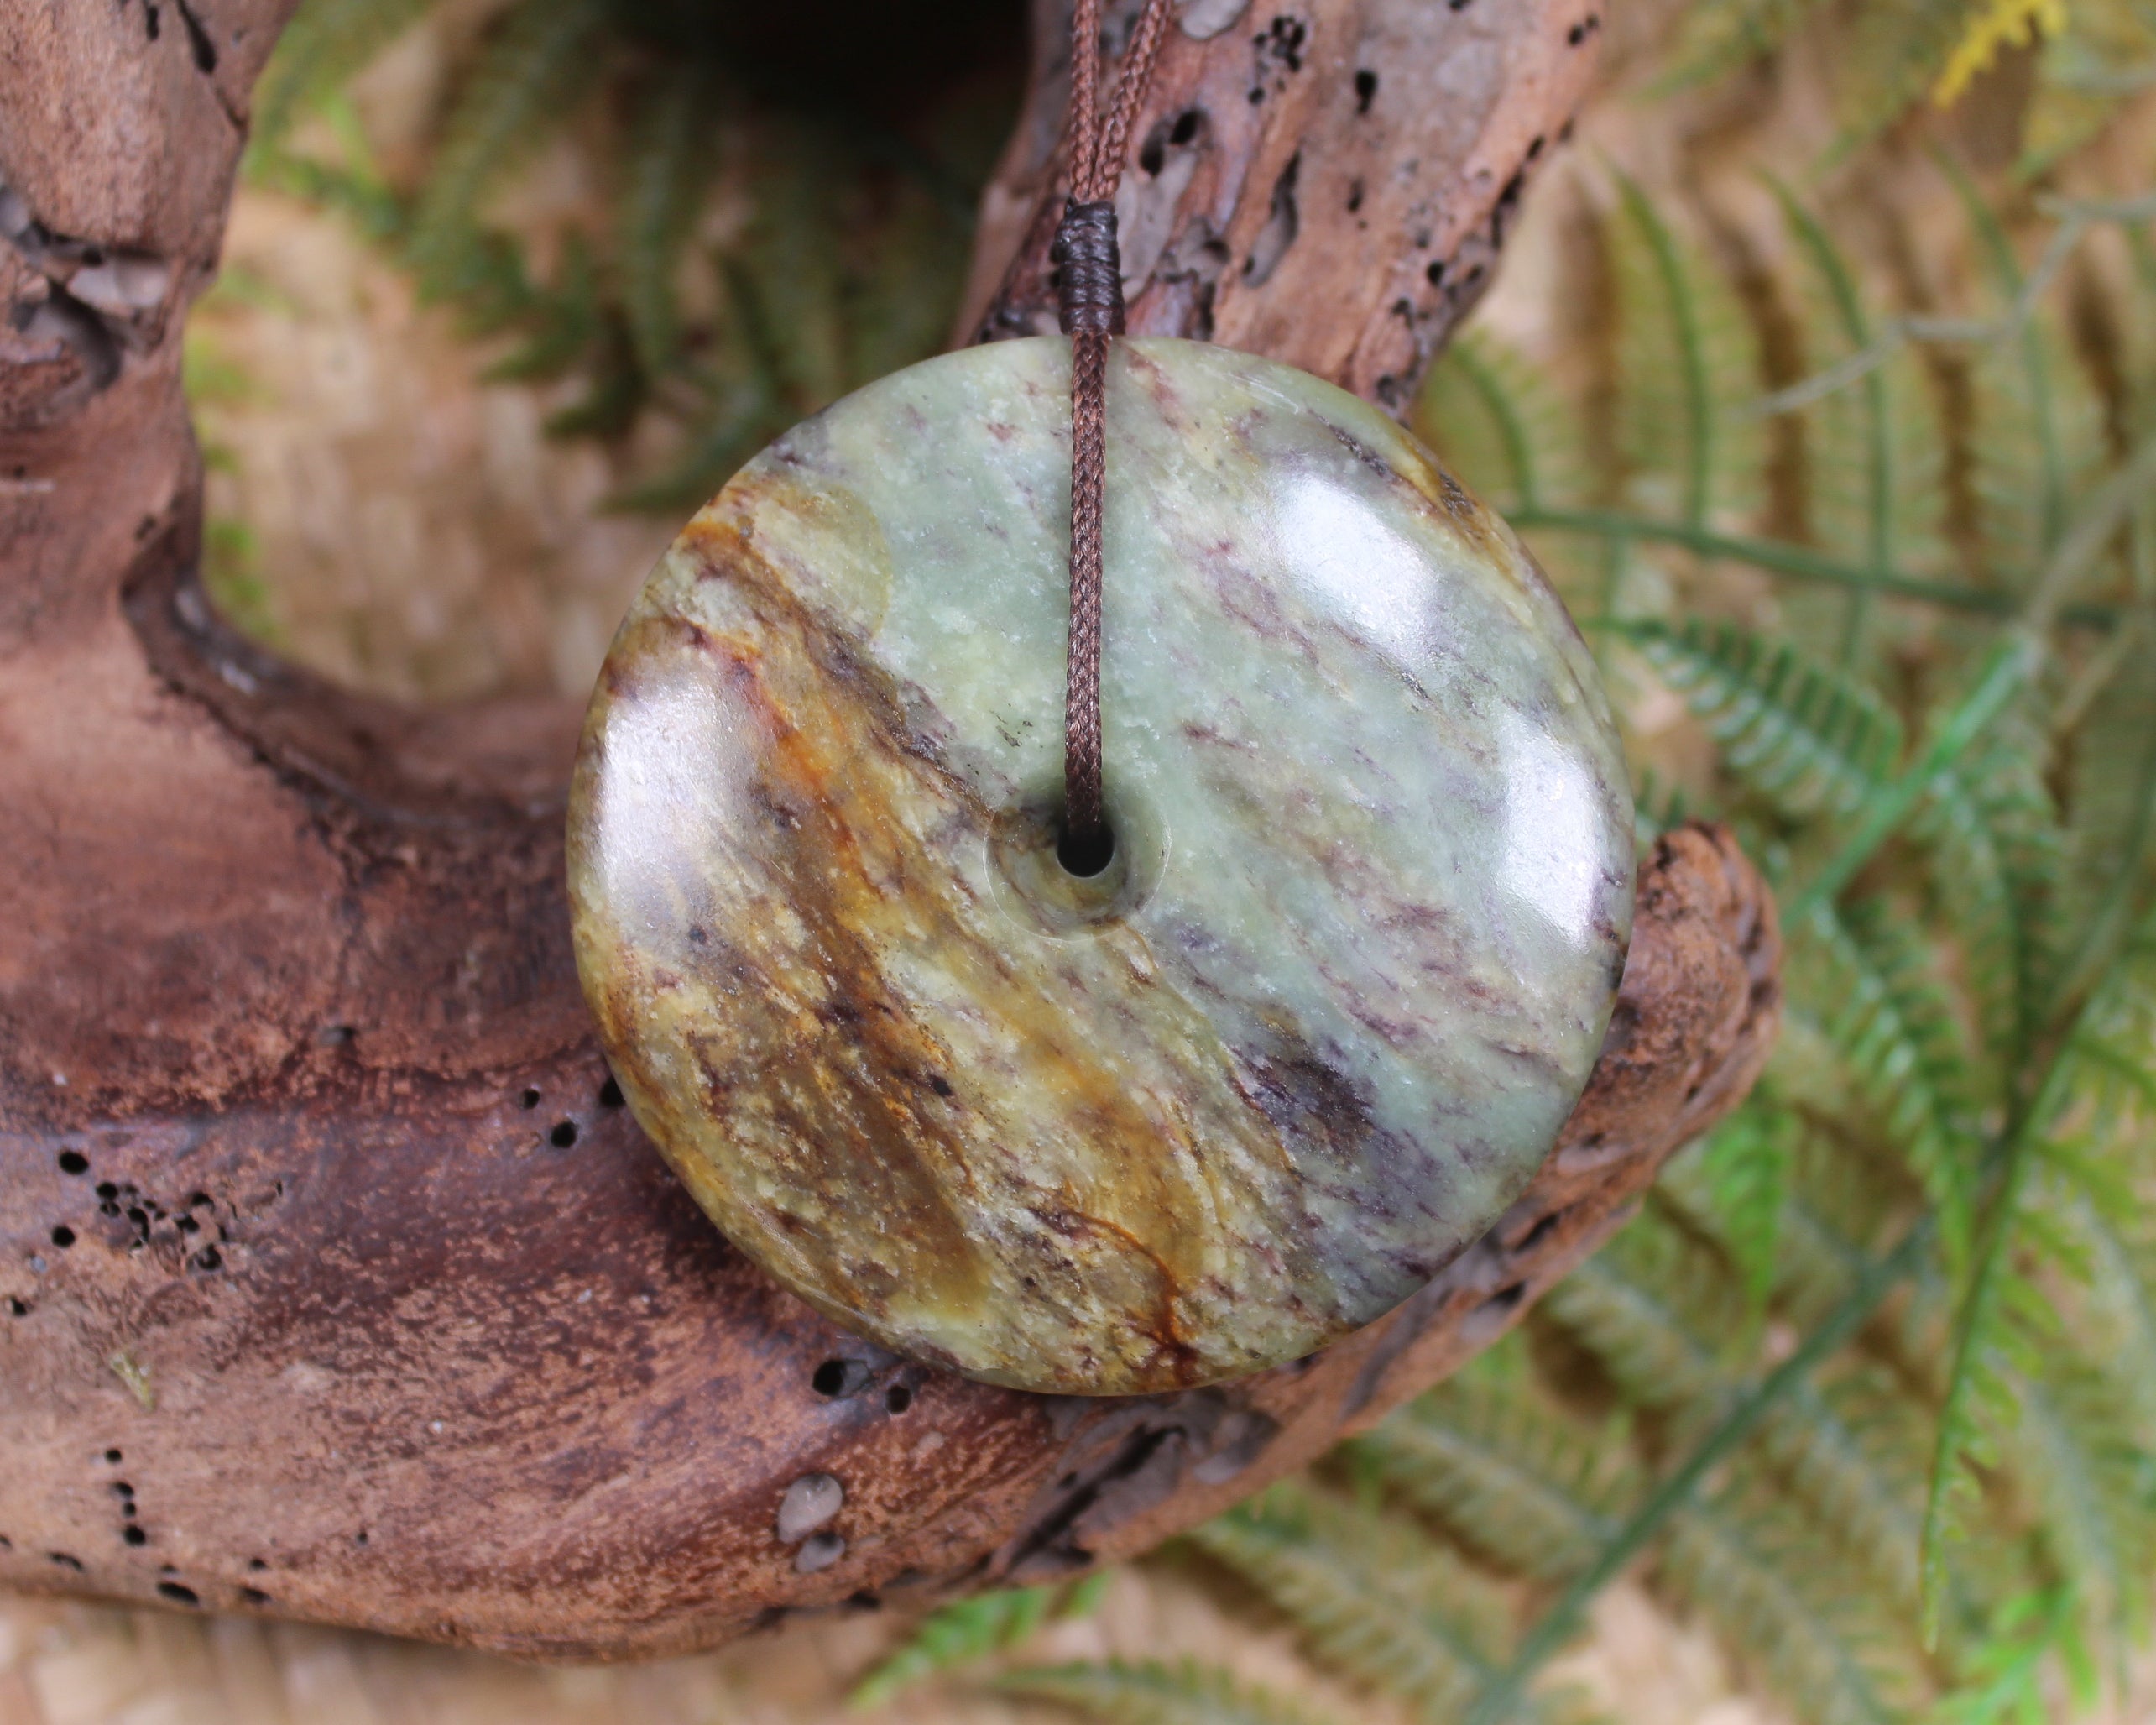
{"type": "Point", "coordinates": [1152, 1692]}
{"type": "Point", "coordinates": [970, 1629]}
{"type": "Point", "coordinates": [537, 62]}
{"type": "Point", "coordinates": [1801, 735]}
{"type": "Point", "coordinates": [2092, 57]}
{"type": "Point", "coordinates": [1952, 1509]}
{"type": "Point", "coordinates": [760, 248]}
{"type": "Point", "coordinates": [1395, 1613]}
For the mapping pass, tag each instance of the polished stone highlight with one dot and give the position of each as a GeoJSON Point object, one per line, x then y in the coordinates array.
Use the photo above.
{"type": "Point", "coordinates": [1320, 1018]}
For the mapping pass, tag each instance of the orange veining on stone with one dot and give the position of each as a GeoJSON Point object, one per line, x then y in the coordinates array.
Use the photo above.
{"type": "Point", "coordinates": [1156, 1130]}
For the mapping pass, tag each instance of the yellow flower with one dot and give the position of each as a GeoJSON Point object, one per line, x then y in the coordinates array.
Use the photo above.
{"type": "Point", "coordinates": [2001, 24]}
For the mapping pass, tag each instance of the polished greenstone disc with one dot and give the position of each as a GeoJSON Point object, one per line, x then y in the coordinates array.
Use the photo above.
{"type": "Point", "coordinates": [1315, 1025]}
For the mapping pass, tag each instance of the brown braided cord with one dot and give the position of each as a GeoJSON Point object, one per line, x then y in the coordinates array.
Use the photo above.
{"type": "Point", "coordinates": [1089, 290]}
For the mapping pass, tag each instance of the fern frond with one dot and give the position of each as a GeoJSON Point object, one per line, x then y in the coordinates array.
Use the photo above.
{"type": "Point", "coordinates": [563, 323]}
{"type": "Point", "coordinates": [1152, 1692]}
{"type": "Point", "coordinates": [904, 271]}
{"type": "Point", "coordinates": [1643, 1307]}
{"type": "Point", "coordinates": [1771, 1591]}
{"type": "Point", "coordinates": [2008, 1679]}
{"type": "Point", "coordinates": [2075, 1453]}
{"type": "Point", "coordinates": [962, 1632]}
{"type": "Point", "coordinates": [2004, 1317]}
{"type": "Point", "coordinates": [2105, 58]}
{"type": "Point", "coordinates": [1717, 37]}
{"type": "Point", "coordinates": [1999, 860]}
{"type": "Point", "coordinates": [1687, 368]}
{"type": "Point", "coordinates": [1734, 1185]}
{"type": "Point", "coordinates": [1896, 1029]}
{"type": "Point", "coordinates": [541, 56]}
{"type": "Point", "coordinates": [1873, 492]}
{"type": "Point", "coordinates": [1496, 421]}
{"type": "Point", "coordinates": [1365, 1594]}
{"type": "Point", "coordinates": [1855, 1455]}
{"type": "Point", "coordinates": [326, 42]}
{"type": "Point", "coordinates": [745, 404]}
{"type": "Point", "coordinates": [670, 157]}
{"type": "Point", "coordinates": [788, 276]}
{"type": "Point", "coordinates": [2115, 1317]}
{"type": "Point", "coordinates": [1804, 737]}
{"type": "Point", "coordinates": [1508, 1474]}
{"type": "Point", "coordinates": [2035, 438]}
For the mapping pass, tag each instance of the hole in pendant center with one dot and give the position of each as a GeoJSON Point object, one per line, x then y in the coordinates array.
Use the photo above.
{"type": "Point", "coordinates": [1085, 855]}
{"type": "Point", "coordinates": [1063, 883]}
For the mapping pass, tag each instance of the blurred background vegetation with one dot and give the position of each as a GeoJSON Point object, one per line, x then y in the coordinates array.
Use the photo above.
{"type": "Point", "coordinates": [1821, 377]}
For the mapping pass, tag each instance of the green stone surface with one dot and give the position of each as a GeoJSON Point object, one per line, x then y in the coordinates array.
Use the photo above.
{"type": "Point", "coordinates": [1317, 1023]}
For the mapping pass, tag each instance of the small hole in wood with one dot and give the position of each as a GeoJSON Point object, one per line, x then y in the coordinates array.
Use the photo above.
{"type": "Point", "coordinates": [898, 1399]}
{"type": "Point", "coordinates": [530, 1099]}
{"type": "Point", "coordinates": [178, 1592]}
{"type": "Point", "coordinates": [63, 1236]}
{"type": "Point", "coordinates": [610, 1094]}
{"type": "Point", "coordinates": [135, 1535]}
{"type": "Point", "coordinates": [74, 1162]}
{"type": "Point", "coordinates": [563, 1135]}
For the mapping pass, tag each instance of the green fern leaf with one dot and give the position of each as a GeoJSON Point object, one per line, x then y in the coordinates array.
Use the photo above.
{"type": "Point", "coordinates": [1855, 1458]}
{"type": "Point", "coordinates": [670, 160]}
{"type": "Point", "coordinates": [1736, 1182]}
{"type": "Point", "coordinates": [2106, 56]}
{"type": "Point", "coordinates": [1998, 859]}
{"type": "Point", "coordinates": [1717, 37]}
{"type": "Point", "coordinates": [1496, 421]}
{"type": "Point", "coordinates": [1689, 366]}
{"type": "Point", "coordinates": [326, 42]}
{"type": "Point", "coordinates": [1151, 1692]}
{"type": "Point", "coordinates": [1511, 1476]}
{"type": "Point", "coordinates": [1803, 736]}
{"type": "Point", "coordinates": [968, 1630]}
{"type": "Point", "coordinates": [2035, 441]}
{"type": "Point", "coordinates": [1896, 1029]}
{"type": "Point", "coordinates": [1873, 492]}
{"type": "Point", "coordinates": [562, 325]}
{"type": "Point", "coordinates": [1361, 1591]}
{"type": "Point", "coordinates": [1634, 1306]}
{"type": "Point", "coordinates": [2075, 1453]}
{"type": "Point", "coordinates": [541, 57]}
{"type": "Point", "coordinates": [1769, 1591]}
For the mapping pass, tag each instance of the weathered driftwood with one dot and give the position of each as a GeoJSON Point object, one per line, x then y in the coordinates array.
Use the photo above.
{"type": "Point", "coordinates": [333, 1286]}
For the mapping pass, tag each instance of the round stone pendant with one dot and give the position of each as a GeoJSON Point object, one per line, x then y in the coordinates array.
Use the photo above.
{"type": "Point", "coordinates": [1250, 1085]}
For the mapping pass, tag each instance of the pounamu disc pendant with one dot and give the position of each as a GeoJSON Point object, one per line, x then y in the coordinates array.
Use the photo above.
{"type": "Point", "coordinates": [1313, 1027]}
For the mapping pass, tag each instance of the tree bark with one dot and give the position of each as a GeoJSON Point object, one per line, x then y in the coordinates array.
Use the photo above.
{"type": "Point", "coordinates": [334, 1281]}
